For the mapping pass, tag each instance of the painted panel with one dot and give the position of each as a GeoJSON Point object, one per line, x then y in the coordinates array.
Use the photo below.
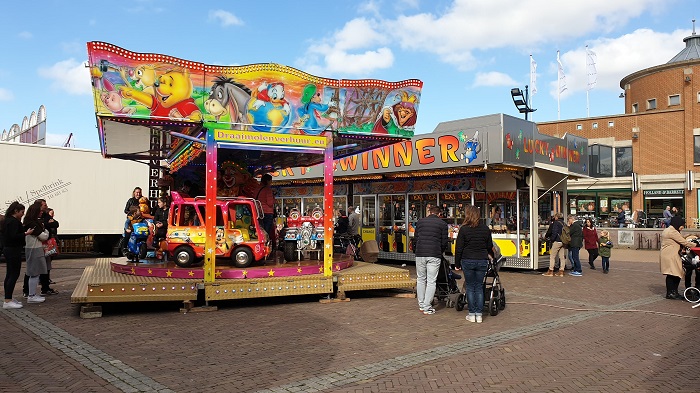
{"type": "Point", "coordinates": [260, 97]}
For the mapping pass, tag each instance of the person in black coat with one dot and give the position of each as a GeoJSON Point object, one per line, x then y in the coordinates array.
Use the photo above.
{"type": "Point", "coordinates": [472, 249]}
{"type": "Point", "coordinates": [13, 236]}
{"type": "Point", "coordinates": [430, 242]}
{"type": "Point", "coordinates": [160, 220]}
{"type": "Point", "coordinates": [342, 224]}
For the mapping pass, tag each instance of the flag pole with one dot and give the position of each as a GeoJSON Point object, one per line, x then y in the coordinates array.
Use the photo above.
{"type": "Point", "coordinates": [558, 90]}
{"type": "Point", "coordinates": [588, 107]}
{"type": "Point", "coordinates": [533, 86]}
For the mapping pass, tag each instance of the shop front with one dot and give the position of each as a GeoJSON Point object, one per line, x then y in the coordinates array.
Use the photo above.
{"type": "Point", "coordinates": [600, 206]}
{"type": "Point", "coordinates": [501, 164]}
{"type": "Point", "coordinates": [655, 201]}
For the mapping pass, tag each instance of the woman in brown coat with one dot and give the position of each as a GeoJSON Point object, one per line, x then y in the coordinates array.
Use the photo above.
{"type": "Point", "coordinates": [669, 259]}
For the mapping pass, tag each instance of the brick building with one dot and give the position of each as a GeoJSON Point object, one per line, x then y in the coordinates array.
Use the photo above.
{"type": "Point", "coordinates": [648, 157]}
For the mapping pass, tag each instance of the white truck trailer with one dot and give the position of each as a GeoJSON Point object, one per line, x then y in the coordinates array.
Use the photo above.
{"type": "Point", "coordinates": [86, 191]}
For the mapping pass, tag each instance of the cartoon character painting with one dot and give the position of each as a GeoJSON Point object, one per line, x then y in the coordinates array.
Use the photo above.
{"type": "Point", "coordinates": [221, 245]}
{"type": "Point", "coordinates": [268, 110]}
{"type": "Point", "coordinates": [144, 77]}
{"type": "Point", "coordinates": [400, 115]}
{"type": "Point", "coordinates": [472, 147]}
{"type": "Point", "coordinates": [311, 108]}
{"type": "Point", "coordinates": [172, 98]}
{"type": "Point", "coordinates": [232, 179]}
{"type": "Point", "coordinates": [113, 101]}
{"type": "Point", "coordinates": [228, 98]}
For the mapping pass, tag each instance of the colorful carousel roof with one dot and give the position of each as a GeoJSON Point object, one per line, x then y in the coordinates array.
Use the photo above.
{"type": "Point", "coordinates": [151, 106]}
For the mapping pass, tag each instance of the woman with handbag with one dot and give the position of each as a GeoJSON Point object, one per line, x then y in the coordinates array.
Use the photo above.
{"type": "Point", "coordinates": [34, 251]}
{"type": "Point", "coordinates": [50, 249]}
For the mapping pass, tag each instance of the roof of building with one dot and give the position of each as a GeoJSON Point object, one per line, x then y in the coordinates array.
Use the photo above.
{"type": "Point", "coordinates": [691, 50]}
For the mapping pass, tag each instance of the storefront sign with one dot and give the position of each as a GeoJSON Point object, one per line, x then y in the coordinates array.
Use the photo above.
{"type": "Point", "coordinates": [663, 192]}
{"type": "Point", "coordinates": [266, 138]}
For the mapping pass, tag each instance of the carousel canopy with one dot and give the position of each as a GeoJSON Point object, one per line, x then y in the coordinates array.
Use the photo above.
{"type": "Point", "coordinates": [267, 116]}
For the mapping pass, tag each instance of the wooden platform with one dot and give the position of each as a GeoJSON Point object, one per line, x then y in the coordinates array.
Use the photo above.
{"type": "Point", "coordinates": [100, 284]}
{"type": "Point", "coordinates": [368, 276]}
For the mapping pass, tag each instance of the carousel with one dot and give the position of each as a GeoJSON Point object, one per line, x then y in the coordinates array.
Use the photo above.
{"type": "Point", "coordinates": [229, 125]}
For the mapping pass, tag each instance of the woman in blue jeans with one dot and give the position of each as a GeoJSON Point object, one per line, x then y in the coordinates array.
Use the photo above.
{"type": "Point", "coordinates": [472, 249]}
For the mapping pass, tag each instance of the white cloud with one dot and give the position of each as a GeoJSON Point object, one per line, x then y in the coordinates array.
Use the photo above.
{"type": "Point", "coordinates": [6, 95]}
{"type": "Point", "coordinates": [619, 57]}
{"type": "Point", "coordinates": [467, 25]}
{"type": "Point", "coordinates": [371, 7]}
{"type": "Point", "coordinates": [25, 35]}
{"type": "Point", "coordinates": [344, 53]}
{"type": "Point", "coordinates": [225, 18]}
{"type": "Point", "coordinates": [69, 76]}
{"type": "Point", "coordinates": [493, 78]}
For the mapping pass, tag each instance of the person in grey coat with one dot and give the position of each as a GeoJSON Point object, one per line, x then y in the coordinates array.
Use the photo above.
{"type": "Point", "coordinates": [431, 241]}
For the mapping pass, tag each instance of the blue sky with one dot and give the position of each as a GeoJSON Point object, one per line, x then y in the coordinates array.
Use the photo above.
{"type": "Point", "coordinates": [468, 53]}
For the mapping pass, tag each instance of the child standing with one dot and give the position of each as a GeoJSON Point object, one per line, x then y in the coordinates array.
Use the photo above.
{"type": "Point", "coordinates": [604, 249]}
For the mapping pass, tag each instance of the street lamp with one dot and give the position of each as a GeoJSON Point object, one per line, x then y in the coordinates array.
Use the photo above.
{"type": "Point", "coordinates": [521, 101]}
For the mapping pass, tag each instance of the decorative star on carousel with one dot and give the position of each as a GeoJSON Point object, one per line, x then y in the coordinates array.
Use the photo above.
{"type": "Point", "coordinates": [271, 273]}
{"type": "Point", "coordinates": [133, 270]}
{"type": "Point", "coordinates": [245, 274]}
{"type": "Point", "coordinates": [298, 270]}
{"type": "Point", "coordinates": [218, 273]}
{"type": "Point", "coordinates": [190, 273]}
{"type": "Point", "coordinates": [150, 271]}
{"type": "Point", "coordinates": [169, 273]}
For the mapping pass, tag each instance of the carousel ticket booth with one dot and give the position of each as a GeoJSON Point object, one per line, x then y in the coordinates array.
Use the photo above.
{"type": "Point", "coordinates": [501, 164]}
{"type": "Point", "coordinates": [223, 127]}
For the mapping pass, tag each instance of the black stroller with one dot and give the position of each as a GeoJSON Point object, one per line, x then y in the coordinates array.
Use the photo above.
{"type": "Point", "coordinates": [446, 288]}
{"type": "Point", "coordinates": [494, 293]}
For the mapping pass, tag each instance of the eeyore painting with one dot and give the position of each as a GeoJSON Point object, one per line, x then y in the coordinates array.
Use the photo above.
{"type": "Point", "coordinates": [228, 97]}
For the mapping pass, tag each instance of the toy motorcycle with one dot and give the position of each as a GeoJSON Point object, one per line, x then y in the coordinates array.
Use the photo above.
{"type": "Point", "coordinates": [135, 247]}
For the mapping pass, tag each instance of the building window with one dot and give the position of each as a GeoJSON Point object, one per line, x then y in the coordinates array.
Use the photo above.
{"type": "Point", "coordinates": [623, 161]}
{"type": "Point", "coordinates": [600, 161]}
{"type": "Point", "coordinates": [651, 104]}
{"type": "Point", "coordinates": [579, 127]}
{"type": "Point", "coordinates": [635, 108]}
{"type": "Point", "coordinates": [696, 149]}
{"type": "Point", "coordinates": [595, 126]}
{"type": "Point", "coordinates": [674, 100]}
{"type": "Point", "coordinates": [611, 124]}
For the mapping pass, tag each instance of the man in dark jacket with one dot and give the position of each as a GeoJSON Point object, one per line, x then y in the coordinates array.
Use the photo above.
{"type": "Point", "coordinates": [556, 249]}
{"type": "Point", "coordinates": [431, 241]}
{"type": "Point", "coordinates": [576, 231]}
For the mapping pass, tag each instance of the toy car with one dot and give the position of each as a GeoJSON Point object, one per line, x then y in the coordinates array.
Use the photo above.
{"type": "Point", "coordinates": [239, 235]}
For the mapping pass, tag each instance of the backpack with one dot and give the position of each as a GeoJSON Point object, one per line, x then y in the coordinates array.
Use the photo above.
{"type": "Point", "coordinates": [566, 235]}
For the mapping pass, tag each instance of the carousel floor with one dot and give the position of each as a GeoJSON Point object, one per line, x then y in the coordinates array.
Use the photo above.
{"type": "Point", "coordinates": [273, 267]}
{"type": "Point", "coordinates": [116, 280]}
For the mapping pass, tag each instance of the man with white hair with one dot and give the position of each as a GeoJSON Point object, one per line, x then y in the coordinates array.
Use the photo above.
{"type": "Point", "coordinates": [354, 222]}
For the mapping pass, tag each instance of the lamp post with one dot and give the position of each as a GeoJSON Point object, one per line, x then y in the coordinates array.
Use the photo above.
{"type": "Point", "coordinates": [521, 101]}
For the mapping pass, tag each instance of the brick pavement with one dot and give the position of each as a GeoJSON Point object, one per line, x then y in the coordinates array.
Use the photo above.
{"type": "Point", "coordinates": [556, 334]}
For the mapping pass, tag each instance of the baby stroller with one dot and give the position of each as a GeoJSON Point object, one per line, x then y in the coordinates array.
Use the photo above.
{"type": "Point", "coordinates": [446, 288]}
{"type": "Point", "coordinates": [494, 293]}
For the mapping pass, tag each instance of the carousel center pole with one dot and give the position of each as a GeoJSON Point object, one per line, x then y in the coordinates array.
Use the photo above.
{"type": "Point", "coordinates": [210, 209]}
{"type": "Point", "coordinates": [328, 207]}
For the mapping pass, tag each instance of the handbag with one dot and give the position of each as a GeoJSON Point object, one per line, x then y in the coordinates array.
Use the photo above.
{"type": "Point", "coordinates": [50, 247]}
